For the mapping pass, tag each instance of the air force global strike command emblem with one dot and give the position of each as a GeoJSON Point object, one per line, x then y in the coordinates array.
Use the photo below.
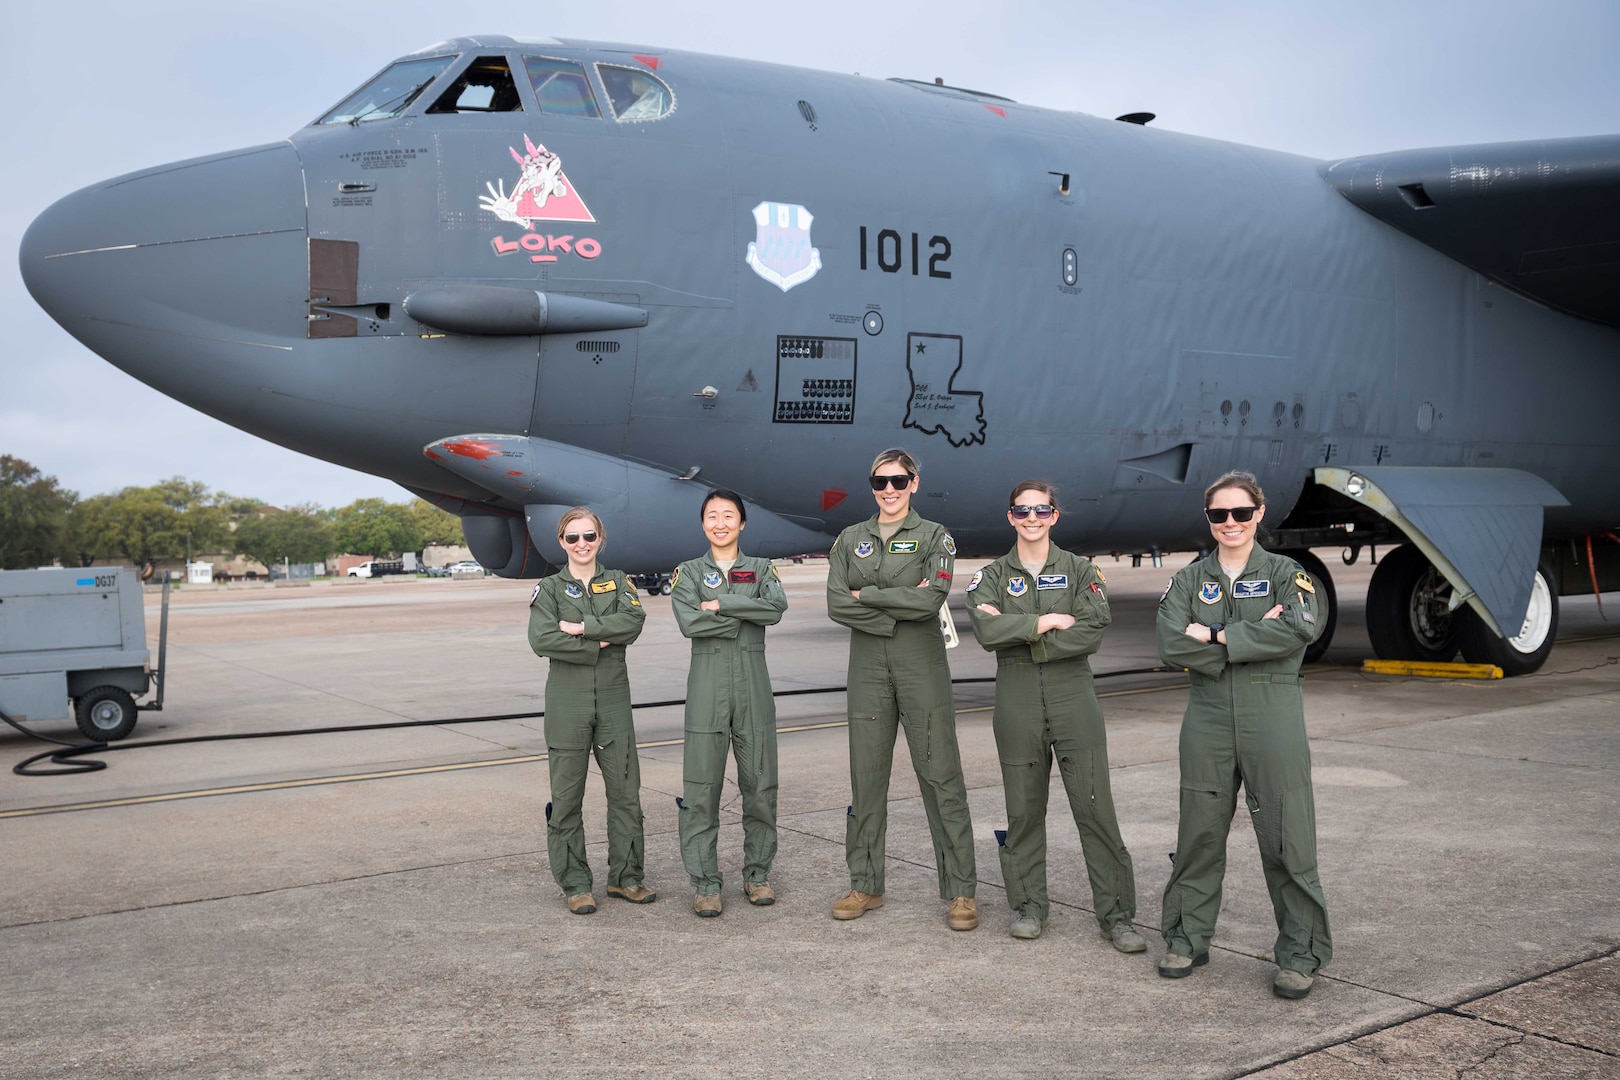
{"type": "Point", "coordinates": [863, 549]}
{"type": "Point", "coordinates": [780, 251]}
{"type": "Point", "coordinates": [1210, 592]}
{"type": "Point", "coordinates": [711, 580]}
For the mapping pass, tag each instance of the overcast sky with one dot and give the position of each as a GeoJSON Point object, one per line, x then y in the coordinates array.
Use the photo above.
{"type": "Point", "coordinates": [95, 89]}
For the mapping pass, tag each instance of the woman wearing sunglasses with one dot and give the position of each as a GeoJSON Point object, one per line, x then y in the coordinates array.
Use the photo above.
{"type": "Point", "coordinates": [1239, 621]}
{"type": "Point", "coordinates": [887, 578]}
{"type": "Point", "coordinates": [582, 619]}
{"type": "Point", "coordinates": [1042, 611]}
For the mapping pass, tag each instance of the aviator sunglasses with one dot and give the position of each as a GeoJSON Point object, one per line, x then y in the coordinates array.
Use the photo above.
{"type": "Point", "coordinates": [1239, 513]}
{"type": "Point", "coordinates": [1021, 511]}
{"type": "Point", "coordinates": [899, 483]}
{"type": "Point", "coordinates": [573, 538]}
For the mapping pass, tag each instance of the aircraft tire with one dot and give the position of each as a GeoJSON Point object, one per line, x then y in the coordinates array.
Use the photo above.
{"type": "Point", "coordinates": [106, 714]}
{"type": "Point", "coordinates": [1525, 653]}
{"type": "Point", "coordinates": [1406, 609]}
{"type": "Point", "coordinates": [1328, 600]}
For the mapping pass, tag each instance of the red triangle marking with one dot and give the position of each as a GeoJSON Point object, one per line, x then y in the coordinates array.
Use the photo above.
{"type": "Point", "coordinates": [831, 497]}
{"type": "Point", "coordinates": [569, 207]}
{"type": "Point", "coordinates": [650, 61]}
{"type": "Point", "coordinates": [997, 109]}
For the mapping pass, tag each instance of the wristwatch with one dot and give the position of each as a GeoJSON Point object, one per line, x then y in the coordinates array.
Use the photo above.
{"type": "Point", "coordinates": [1215, 628]}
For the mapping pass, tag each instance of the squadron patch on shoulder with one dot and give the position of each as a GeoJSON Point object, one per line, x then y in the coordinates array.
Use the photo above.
{"type": "Point", "coordinates": [775, 575]}
{"type": "Point", "coordinates": [1167, 587]}
{"type": "Point", "coordinates": [599, 587]}
{"type": "Point", "coordinates": [1100, 576]}
{"type": "Point", "coordinates": [902, 547]}
{"type": "Point", "coordinates": [1210, 592]}
{"type": "Point", "coordinates": [743, 577]}
{"type": "Point", "coordinates": [978, 576]}
{"type": "Point", "coordinates": [1243, 590]}
{"type": "Point", "coordinates": [950, 545]}
{"type": "Point", "coordinates": [675, 578]}
{"type": "Point", "coordinates": [863, 549]}
{"type": "Point", "coordinates": [1051, 581]}
{"type": "Point", "coordinates": [711, 580]}
{"type": "Point", "coordinates": [1017, 586]}
{"type": "Point", "coordinates": [1303, 581]}
{"type": "Point", "coordinates": [536, 594]}
{"type": "Point", "coordinates": [574, 591]}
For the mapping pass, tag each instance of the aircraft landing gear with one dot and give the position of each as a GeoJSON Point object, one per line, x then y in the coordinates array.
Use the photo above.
{"type": "Point", "coordinates": [1526, 651]}
{"type": "Point", "coordinates": [1327, 601]}
{"type": "Point", "coordinates": [1406, 609]}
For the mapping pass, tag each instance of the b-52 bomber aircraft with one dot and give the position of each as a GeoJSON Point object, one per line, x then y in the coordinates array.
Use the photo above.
{"type": "Point", "coordinates": [516, 274]}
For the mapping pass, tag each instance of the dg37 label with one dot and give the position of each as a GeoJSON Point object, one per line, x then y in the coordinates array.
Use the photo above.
{"type": "Point", "coordinates": [889, 252]}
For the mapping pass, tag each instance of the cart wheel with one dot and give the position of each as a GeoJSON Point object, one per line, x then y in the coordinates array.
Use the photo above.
{"type": "Point", "coordinates": [106, 714]}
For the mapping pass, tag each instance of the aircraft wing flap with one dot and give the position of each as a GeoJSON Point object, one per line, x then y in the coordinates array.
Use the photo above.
{"type": "Point", "coordinates": [1480, 527]}
{"type": "Point", "coordinates": [1541, 218]}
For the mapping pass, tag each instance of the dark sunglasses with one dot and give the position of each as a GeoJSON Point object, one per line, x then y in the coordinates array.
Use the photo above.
{"type": "Point", "coordinates": [899, 483]}
{"type": "Point", "coordinates": [573, 538]}
{"type": "Point", "coordinates": [1239, 513]}
{"type": "Point", "coordinates": [1042, 511]}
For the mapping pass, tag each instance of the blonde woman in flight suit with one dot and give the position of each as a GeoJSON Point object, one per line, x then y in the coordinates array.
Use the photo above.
{"type": "Point", "coordinates": [581, 619]}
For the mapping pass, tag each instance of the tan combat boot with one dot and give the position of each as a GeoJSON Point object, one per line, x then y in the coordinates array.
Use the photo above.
{"type": "Point", "coordinates": [854, 904]}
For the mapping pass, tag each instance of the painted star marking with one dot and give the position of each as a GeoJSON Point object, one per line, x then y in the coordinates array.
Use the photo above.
{"type": "Point", "coordinates": [921, 348]}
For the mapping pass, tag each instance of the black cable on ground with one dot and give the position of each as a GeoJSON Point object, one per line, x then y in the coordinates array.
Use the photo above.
{"type": "Point", "coordinates": [68, 758]}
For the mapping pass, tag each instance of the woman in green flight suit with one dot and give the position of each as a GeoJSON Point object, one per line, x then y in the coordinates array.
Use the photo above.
{"type": "Point", "coordinates": [1239, 621]}
{"type": "Point", "coordinates": [1042, 611]}
{"type": "Point", "coordinates": [723, 602]}
{"type": "Point", "coordinates": [887, 578]}
{"type": "Point", "coordinates": [582, 619]}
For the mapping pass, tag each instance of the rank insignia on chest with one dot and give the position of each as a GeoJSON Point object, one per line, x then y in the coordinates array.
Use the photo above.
{"type": "Point", "coordinates": [950, 545]}
{"type": "Point", "coordinates": [1210, 593]}
{"type": "Point", "coordinates": [1017, 586]}
{"type": "Point", "coordinates": [1303, 580]}
{"type": "Point", "coordinates": [711, 580]}
{"type": "Point", "coordinates": [902, 547]}
{"type": "Point", "coordinates": [1243, 590]}
{"type": "Point", "coordinates": [1051, 581]}
{"type": "Point", "coordinates": [743, 577]}
{"type": "Point", "coordinates": [574, 591]}
{"type": "Point", "coordinates": [863, 549]}
{"type": "Point", "coordinates": [603, 586]}
{"type": "Point", "coordinates": [978, 576]}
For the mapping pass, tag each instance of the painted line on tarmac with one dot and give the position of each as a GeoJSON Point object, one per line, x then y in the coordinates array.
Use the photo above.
{"type": "Point", "coordinates": [390, 774]}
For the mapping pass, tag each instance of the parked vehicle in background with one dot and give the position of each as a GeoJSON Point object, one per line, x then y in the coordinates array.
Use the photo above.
{"type": "Point", "coordinates": [363, 570]}
{"type": "Point", "coordinates": [437, 571]}
{"type": "Point", "coordinates": [467, 569]}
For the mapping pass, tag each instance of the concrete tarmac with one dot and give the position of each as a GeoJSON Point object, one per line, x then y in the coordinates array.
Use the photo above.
{"type": "Point", "coordinates": [378, 903]}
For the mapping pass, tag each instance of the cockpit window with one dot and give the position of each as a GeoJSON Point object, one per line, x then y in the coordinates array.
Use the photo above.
{"type": "Point", "coordinates": [390, 93]}
{"type": "Point", "coordinates": [561, 88]}
{"type": "Point", "coordinates": [635, 95]}
{"type": "Point", "coordinates": [485, 87]}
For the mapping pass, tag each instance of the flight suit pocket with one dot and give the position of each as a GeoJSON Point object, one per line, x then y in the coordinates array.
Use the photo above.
{"type": "Point", "coordinates": [1285, 828]}
{"type": "Point", "coordinates": [613, 757]}
{"type": "Point", "coordinates": [941, 759]}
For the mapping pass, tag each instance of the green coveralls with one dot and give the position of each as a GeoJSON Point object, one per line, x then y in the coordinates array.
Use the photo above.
{"type": "Point", "coordinates": [728, 700]}
{"type": "Point", "coordinates": [1046, 703]}
{"type": "Point", "coordinates": [1245, 722]}
{"type": "Point", "coordinates": [898, 676]}
{"type": "Point", "coordinates": [588, 705]}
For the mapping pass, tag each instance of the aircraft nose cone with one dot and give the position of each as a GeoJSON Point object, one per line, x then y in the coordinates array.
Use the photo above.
{"type": "Point", "coordinates": [196, 262]}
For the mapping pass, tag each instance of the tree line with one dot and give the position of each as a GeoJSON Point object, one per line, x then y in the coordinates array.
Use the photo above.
{"type": "Point", "coordinates": [42, 522]}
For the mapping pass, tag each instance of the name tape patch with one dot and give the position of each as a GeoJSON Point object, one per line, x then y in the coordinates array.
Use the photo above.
{"type": "Point", "coordinates": [603, 586]}
{"type": "Point", "coordinates": [902, 547]}
{"type": "Point", "coordinates": [1051, 581]}
{"type": "Point", "coordinates": [743, 577]}
{"type": "Point", "coordinates": [1243, 590]}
